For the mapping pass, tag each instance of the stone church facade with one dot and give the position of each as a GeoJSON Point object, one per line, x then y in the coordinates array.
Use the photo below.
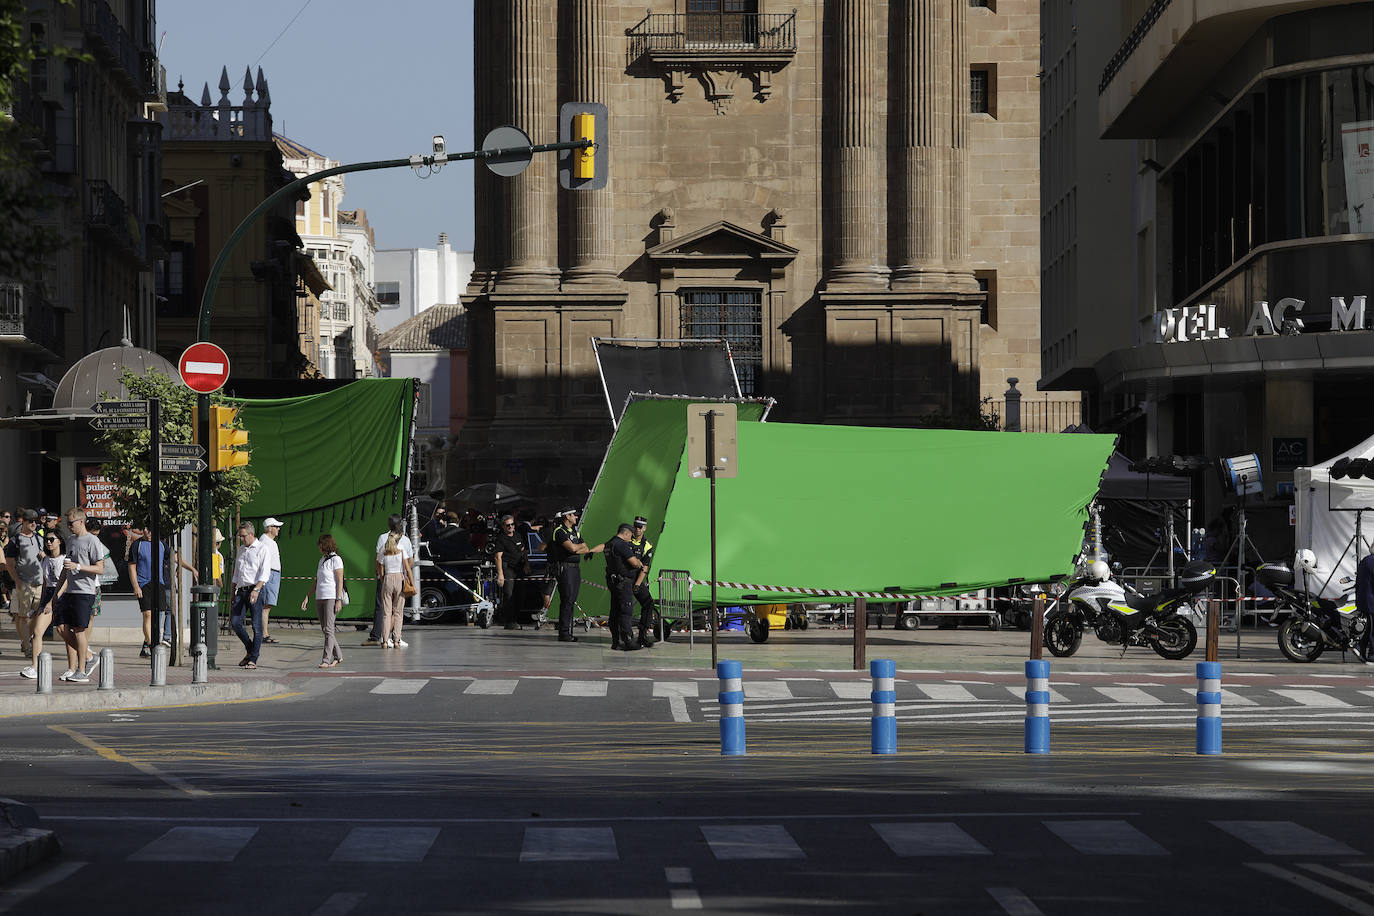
{"type": "Point", "coordinates": [812, 183]}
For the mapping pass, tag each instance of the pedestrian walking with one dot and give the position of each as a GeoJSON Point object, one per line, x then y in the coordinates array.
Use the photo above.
{"type": "Point", "coordinates": [512, 563]}
{"type": "Point", "coordinates": [6, 580]}
{"type": "Point", "coordinates": [565, 552]}
{"type": "Point", "coordinates": [622, 566]}
{"type": "Point", "coordinates": [84, 564]}
{"type": "Point", "coordinates": [330, 593]}
{"type": "Point", "coordinates": [271, 530]}
{"type": "Point", "coordinates": [250, 575]}
{"type": "Point", "coordinates": [394, 570]}
{"type": "Point", "coordinates": [23, 561]}
{"type": "Point", "coordinates": [54, 584]}
{"type": "Point", "coordinates": [644, 550]}
{"type": "Point", "coordinates": [154, 597]}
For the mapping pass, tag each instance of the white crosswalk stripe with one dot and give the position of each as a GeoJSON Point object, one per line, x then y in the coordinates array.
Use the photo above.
{"type": "Point", "coordinates": [752, 841]}
{"type": "Point", "coordinates": [1131, 696]}
{"type": "Point", "coordinates": [947, 692]}
{"type": "Point", "coordinates": [767, 690]}
{"type": "Point", "coordinates": [1312, 698]}
{"type": "Point", "coordinates": [851, 690]}
{"type": "Point", "coordinates": [196, 844]}
{"type": "Point", "coordinates": [569, 844]}
{"type": "Point", "coordinates": [676, 689]}
{"type": "Point", "coordinates": [582, 689]}
{"type": "Point", "coordinates": [1105, 838]}
{"type": "Point", "coordinates": [1020, 694]}
{"type": "Point", "coordinates": [932, 839]}
{"type": "Point", "coordinates": [400, 685]}
{"type": "Point", "coordinates": [386, 844]}
{"type": "Point", "coordinates": [1285, 838]}
{"type": "Point", "coordinates": [492, 687]}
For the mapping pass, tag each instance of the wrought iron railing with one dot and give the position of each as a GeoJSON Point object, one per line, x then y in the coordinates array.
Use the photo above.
{"type": "Point", "coordinates": [23, 313]}
{"type": "Point", "coordinates": [714, 31]}
{"type": "Point", "coordinates": [1133, 40]}
{"type": "Point", "coordinates": [112, 41]}
{"type": "Point", "coordinates": [107, 212]}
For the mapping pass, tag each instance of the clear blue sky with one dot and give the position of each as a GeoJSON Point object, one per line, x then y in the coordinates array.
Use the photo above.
{"type": "Point", "coordinates": [354, 80]}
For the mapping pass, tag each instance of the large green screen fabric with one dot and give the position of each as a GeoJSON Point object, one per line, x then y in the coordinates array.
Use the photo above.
{"type": "Point", "coordinates": [332, 462]}
{"type": "Point", "coordinates": [858, 509]}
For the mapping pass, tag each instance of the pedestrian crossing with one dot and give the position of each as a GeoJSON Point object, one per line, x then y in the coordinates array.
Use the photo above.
{"type": "Point", "coordinates": [793, 837]}
{"type": "Point", "coordinates": [821, 700]}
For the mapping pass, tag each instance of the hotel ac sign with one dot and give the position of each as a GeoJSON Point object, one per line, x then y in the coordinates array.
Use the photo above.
{"type": "Point", "coordinates": [1199, 322]}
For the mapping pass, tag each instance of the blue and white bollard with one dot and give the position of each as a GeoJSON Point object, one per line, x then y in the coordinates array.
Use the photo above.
{"type": "Point", "coordinates": [731, 708]}
{"type": "Point", "coordinates": [1037, 706]}
{"type": "Point", "coordinates": [884, 696]}
{"type": "Point", "coordinates": [1209, 707]}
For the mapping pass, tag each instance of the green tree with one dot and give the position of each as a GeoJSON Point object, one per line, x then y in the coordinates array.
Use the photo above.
{"type": "Point", "coordinates": [128, 465]}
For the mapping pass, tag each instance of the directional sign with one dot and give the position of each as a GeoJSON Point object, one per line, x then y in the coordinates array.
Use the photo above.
{"type": "Point", "coordinates": [178, 450]}
{"type": "Point", "coordinates": [121, 407]}
{"type": "Point", "coordinates": [121, 421]}
{"type": "Point", "coordinates": [187, 465]}
{"type": "Point", "coordinates": [204, 367]}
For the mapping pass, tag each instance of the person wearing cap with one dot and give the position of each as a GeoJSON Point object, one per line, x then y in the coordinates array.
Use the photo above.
{"type": "Point", "coordinates": [23, 561]}
{"type": "Point", "coordinates": [566, 550]}
{"type": "Point", "coordinates": [644, 550]}
{"type": "Point", "coordinates": [622, 567]}
{"type": "Point", "coordinates": [217, 559]}
{"type": "Point", "coordinates": [47, 521]}
{"type": "Point", "coordinates": [271, 529]}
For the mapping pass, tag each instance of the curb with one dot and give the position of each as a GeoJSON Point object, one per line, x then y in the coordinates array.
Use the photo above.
{"type": "Point", "coordinates": [135, 697]}
{"type": "Point", "coordinates": [23, 843]}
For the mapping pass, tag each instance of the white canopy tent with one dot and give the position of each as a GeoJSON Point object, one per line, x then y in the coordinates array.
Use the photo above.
{"type": "Point", "coordinates": [1328, 511]}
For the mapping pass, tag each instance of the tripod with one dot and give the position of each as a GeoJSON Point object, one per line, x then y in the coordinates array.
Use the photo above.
{"type": "Point", "coordinates": [1170, 544]}
{"type": "Point", "coordinates": [1238, 546]}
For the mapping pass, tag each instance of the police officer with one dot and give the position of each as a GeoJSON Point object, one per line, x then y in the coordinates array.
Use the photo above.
{"type": "Point", "coordinates": [644, 550]}
{"type": "Point", "coordinates": [566, 549]}
{"type": "Point", "coordinates": [622, 568]}
{"type": "Point", "coordinates": [512, 563]}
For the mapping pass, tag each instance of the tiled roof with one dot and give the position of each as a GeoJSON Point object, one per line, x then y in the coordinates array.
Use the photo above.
{"type": "Point", "coordinates": [439, 327]}
{"type": "Point", "coordinates": [293, 150]}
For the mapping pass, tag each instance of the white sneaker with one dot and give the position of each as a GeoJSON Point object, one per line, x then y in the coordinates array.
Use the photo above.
{"type": "Point", "coordinates": [92, 663]}
{"type": "Point", "coordinates": [28, 672]}
{"type": "Point", "coordinates": [390, 644]}
{"type": "Point", "coordinates": [79, 677]}
{"type": "Point", "coordinates": [402, 644]}
{"type": "Point", "coordinates": [66, 675]}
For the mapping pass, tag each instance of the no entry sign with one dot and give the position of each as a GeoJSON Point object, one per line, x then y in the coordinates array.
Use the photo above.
{"type": "Point", "coordinates": [204, 367]}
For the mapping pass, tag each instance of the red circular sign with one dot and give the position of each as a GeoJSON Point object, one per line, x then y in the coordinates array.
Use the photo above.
{"type": "Point", "coordinates": [204, 367]}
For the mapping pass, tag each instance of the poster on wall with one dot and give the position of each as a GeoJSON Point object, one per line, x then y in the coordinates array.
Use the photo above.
{"type": "Point", "coordinates": [1357, 138]}
{"type": "Point", "coordinates": [98, 497]}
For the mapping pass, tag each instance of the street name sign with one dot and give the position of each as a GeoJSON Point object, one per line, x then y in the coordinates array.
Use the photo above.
{"type": "Point", "coordinates": [121, 407]}
{"type": "Point", "coordinates": [180, 450]}
{"type": "Point", "coordinates": [121, 421]}
{"type": "Point", "coordinates": [182, 465]}
{"type": "Point", "coordinates": [204, 367]}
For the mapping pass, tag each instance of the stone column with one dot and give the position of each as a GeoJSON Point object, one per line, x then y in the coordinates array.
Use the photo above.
{"type": "Point", "coordinates": [488, 253]}
{"type": "Point", "coordinates": [922, 213]}
{"type": "Point", "coordinates": [530, 202]}
{"type": "Point", "coordinates": [956, 253]}
{"type": "Point", "coordinates": [592, 212]}
{"type": "Point", "coordinates": [855, 153]}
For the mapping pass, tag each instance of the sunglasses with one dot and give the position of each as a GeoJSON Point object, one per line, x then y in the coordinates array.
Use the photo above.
{"type": "Point", "coordinates": [52, 540]}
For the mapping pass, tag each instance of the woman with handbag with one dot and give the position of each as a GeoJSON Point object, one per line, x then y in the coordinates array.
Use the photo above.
{"type": "Point", "coordinates": [394, 568]}
{"type": "Point", "coordinates": [331, 594]}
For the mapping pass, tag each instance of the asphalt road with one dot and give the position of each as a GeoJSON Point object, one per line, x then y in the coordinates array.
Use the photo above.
{"type": "Point", "coordinates": [581, 792]}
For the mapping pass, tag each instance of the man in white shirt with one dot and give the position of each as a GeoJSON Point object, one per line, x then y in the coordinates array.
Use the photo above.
{"type": "Point", "coordinates": [251, 572]}
{"type": "Point", "coordinates": [271, 529]}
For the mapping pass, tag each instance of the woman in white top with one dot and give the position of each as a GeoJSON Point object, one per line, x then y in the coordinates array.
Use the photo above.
{"type": "Point", "coordinates": [54, 583]}
{"type": "Point", "coordinates": [329, 593]}
{"type": "Point", "coordinates": [394, 567]}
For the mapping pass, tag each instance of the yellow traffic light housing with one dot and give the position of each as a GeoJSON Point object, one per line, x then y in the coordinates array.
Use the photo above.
{"type": "Point", "coordinates": [584, 160]}
{"type": "Point", "coordinates": [223, 450]}
{"type": "Point", "coordinates": [584, 168]}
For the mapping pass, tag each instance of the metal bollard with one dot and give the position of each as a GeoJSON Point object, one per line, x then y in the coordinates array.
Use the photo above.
{"type": "Point", "coordinates": [200, 664]}
{"type": "Point", "coordinates": [159, 666]}
{"type": "Point", "coordinates": [1209, 707]}
{"type": "Point", "coordinates": [45, 672]}
{"type": "Point", "coordinates": [884, 696]}
{"type": "Point", "coordinates": [106, 669]}
{"type": "Point", "coordinates": [1037, 706]}
{"type": "Point", "coordinates": [731, 708]}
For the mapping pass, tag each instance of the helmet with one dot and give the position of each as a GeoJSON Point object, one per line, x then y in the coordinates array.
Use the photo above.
{"type": "Point", "coordinates": [1100, 571]}
{"type": "Point", "coordinates": [1305, 559]}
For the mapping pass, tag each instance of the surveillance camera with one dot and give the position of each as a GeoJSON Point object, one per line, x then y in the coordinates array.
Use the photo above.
{"type": "Point", "coordinates": [438, 144]}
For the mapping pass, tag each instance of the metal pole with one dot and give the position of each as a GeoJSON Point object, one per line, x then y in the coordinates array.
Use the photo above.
{"type": "Point", "coordinates": [1214, 629]}
{"type": "Point", "coordinates": [860, 633]}
{"type": "Point", "coordinates": [155, 516]}
{"type": "Point", "coordinates": [205, 619]}
{"type": "Point", "coordinates": [711, 474]}
{"type": "Point", "coordinates": [1037, 646]}
{"type": "Point", "coordinates": [1169, 529]}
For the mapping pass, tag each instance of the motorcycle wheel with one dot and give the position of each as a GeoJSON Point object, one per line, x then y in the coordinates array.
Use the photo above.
{"type": "Point", "coordinates": [1174, 638]}
{"type": "Point", "coordinates": [1300, 640]}
{"type": "Point", "coordinates": [1062, 634]}
{"type": "Point", "coordinates": [757, 629]}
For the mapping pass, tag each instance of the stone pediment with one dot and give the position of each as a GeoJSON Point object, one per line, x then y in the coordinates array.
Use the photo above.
{"type": "Point", "coordinates": [721, 242]}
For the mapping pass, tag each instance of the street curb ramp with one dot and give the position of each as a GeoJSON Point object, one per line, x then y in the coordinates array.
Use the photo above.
{"type": "Point", "coordinates": [138, 697]}
{"type": "Point", "coordinates": [23, 841]}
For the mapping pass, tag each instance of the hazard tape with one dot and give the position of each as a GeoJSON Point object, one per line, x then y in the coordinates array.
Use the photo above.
{"type": "Point", "coordinates": [823, 592]}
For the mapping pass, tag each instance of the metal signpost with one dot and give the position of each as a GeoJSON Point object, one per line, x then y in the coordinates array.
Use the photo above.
{"type": "Point", "coordinates": [713, 452]}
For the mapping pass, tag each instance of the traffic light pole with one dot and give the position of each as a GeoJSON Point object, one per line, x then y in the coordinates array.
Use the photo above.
{"type": "Point", "coordinates": [204, 545]}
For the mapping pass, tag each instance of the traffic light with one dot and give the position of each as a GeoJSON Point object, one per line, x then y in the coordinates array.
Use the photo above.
{"type": "Point", "coordinates": [225, 441]}
{"type": "Point", "coordinates": [583, 169]}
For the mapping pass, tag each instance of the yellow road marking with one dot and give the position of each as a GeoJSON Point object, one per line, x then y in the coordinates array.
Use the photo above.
{"type": "Point", "coordinates": [114, 756]}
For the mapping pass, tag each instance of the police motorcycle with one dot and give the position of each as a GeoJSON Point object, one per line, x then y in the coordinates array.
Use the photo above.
{"type": "Point", "coordinates": [1313, 624]}
{"type": "Point", "coordinates": [1126, 619]}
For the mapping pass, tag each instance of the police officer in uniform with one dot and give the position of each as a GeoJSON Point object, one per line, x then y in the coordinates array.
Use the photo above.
{"type": "Point", "coordinates": [644, 550]}
{"type": "Point", "coordinates": [622, 568]}
{"type": "Point", "coordinates": [566, 550]}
